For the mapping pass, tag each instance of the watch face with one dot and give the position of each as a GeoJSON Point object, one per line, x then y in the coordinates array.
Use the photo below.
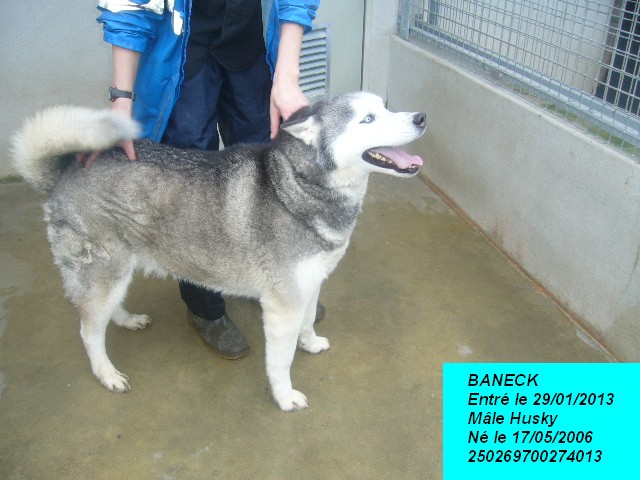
{"type": "Point", "coordinates": [112, 94]}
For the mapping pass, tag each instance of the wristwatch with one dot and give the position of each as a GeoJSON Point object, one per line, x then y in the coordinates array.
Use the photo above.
{"type": "Point", "coordinates": [115, 93]}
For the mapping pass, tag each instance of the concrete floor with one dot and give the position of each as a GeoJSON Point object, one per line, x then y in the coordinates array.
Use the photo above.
{"type": "Point", "coordinates": [418, 287]}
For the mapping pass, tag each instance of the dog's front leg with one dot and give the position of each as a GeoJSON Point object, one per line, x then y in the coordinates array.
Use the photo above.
{"type": "Point", "coordinates": [281, 329]}
{"type": "Point", "coordinates": [307, 339]}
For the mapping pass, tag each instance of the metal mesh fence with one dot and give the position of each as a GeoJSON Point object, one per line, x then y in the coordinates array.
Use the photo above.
{"type": "Point", "coordinates": [577, 58]}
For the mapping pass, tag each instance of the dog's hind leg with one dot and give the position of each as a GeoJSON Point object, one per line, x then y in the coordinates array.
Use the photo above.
{"type": "Point", "coordinates": [282, 322]}
{"type": "Point", "coordinates": [95, 279]}
{"type": "Point", "coordinates": [96, 308]}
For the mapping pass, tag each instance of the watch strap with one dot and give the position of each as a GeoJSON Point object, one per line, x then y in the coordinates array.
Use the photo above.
{"type": "Point", "coordinates": [117, 93]}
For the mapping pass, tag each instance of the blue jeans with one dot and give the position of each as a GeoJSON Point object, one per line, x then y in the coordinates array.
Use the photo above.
{"type": "Point", "coordinates": [235, 104]}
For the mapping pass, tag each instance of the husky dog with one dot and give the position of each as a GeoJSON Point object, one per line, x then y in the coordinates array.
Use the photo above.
{"type": "Point", "coordinates": [261, 221]}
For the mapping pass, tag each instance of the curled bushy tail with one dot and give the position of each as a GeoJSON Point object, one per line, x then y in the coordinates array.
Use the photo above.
{"type": "Point", "coordinates": [40, 145]}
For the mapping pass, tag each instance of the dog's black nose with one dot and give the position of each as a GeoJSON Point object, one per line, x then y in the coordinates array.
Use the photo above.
{"type": "Point", "coordinates": [420, 119]}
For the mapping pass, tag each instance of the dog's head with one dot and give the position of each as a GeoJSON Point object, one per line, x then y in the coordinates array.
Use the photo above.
{"type": "Point", "coordinates": [357, 135]}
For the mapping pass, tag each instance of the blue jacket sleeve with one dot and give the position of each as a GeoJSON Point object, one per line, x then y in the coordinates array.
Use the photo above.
{"type": "Point", "coordinates": [278, 11]}
{"type": "Point", "coordinates": [131, 29]}
{"type": "Point", "coordinates": [298, 11]}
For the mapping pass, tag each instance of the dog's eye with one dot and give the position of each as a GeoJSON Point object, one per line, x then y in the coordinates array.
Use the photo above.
{"type": "Point", "coordinates": [368, 119]}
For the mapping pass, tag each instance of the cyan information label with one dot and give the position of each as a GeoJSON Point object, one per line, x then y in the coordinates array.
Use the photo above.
{"type": "Point", "coordinates": [541, 420]}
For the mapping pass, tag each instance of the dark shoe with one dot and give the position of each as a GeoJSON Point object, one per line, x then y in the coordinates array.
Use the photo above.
{"type": "Point", "coordinates": [319, 312]}
{"type": "Point", "coordinates": [221, 335]}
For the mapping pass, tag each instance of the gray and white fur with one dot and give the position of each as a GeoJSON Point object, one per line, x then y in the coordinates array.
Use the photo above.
{"type": "Point", "coordinates": [268, 222]}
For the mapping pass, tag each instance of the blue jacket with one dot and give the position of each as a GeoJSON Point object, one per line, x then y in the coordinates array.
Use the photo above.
{"type": "Point", "coordinates": [159, 29]}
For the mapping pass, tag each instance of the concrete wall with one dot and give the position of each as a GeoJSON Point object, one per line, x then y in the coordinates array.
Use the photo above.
{"type": "Point", "coordinates": [380, 25]}
{"type": "Point", "coordinates": [346, 20]}
{"type": "Point", "coordinates": [52, 53]}
{"type": "Point", "coordinates": [563, 205]}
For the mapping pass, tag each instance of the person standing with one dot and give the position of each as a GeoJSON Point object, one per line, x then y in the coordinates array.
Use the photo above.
{"type": "Point", "coordinates": [194, 71]}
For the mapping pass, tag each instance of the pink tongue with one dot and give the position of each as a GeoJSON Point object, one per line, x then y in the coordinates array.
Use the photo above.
{"type": "Point", "coordinates": [398, 156]}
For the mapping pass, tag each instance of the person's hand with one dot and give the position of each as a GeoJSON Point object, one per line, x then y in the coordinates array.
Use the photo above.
{"type": "Point", "coordinates": [124, 106]}
{"type": "Point", "coordinates": [286, 98]}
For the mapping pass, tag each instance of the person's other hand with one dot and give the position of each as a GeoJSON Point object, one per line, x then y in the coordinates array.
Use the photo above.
{"type": "Point", "coordinates": [124, 106]}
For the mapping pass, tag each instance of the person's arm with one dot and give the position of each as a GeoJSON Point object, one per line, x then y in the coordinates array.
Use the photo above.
{"type": "Point", "coordinates": [125, 69]}
{"type": "Point", "coordinates": [129, 31]}
{"type": "Point", "coordinates": [286, 95]}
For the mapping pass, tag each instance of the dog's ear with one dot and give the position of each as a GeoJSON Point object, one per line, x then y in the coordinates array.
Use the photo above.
{"type": "Point", "coordinates": [306, 129]}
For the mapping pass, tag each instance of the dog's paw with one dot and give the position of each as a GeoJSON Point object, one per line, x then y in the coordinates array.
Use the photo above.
{"type": "Point", "coordinates": [115, 381]}
{"type": "Point", "coordinates": [314, 345]}
{"type": "Point", "coordinates": [133, 321]}
{"type": "Point", "coordinates": [292, 401]}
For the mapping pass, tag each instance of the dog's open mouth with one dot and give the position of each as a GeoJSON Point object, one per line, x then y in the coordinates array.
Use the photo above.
{"type": "Point", "coordinates": [393, 158]}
